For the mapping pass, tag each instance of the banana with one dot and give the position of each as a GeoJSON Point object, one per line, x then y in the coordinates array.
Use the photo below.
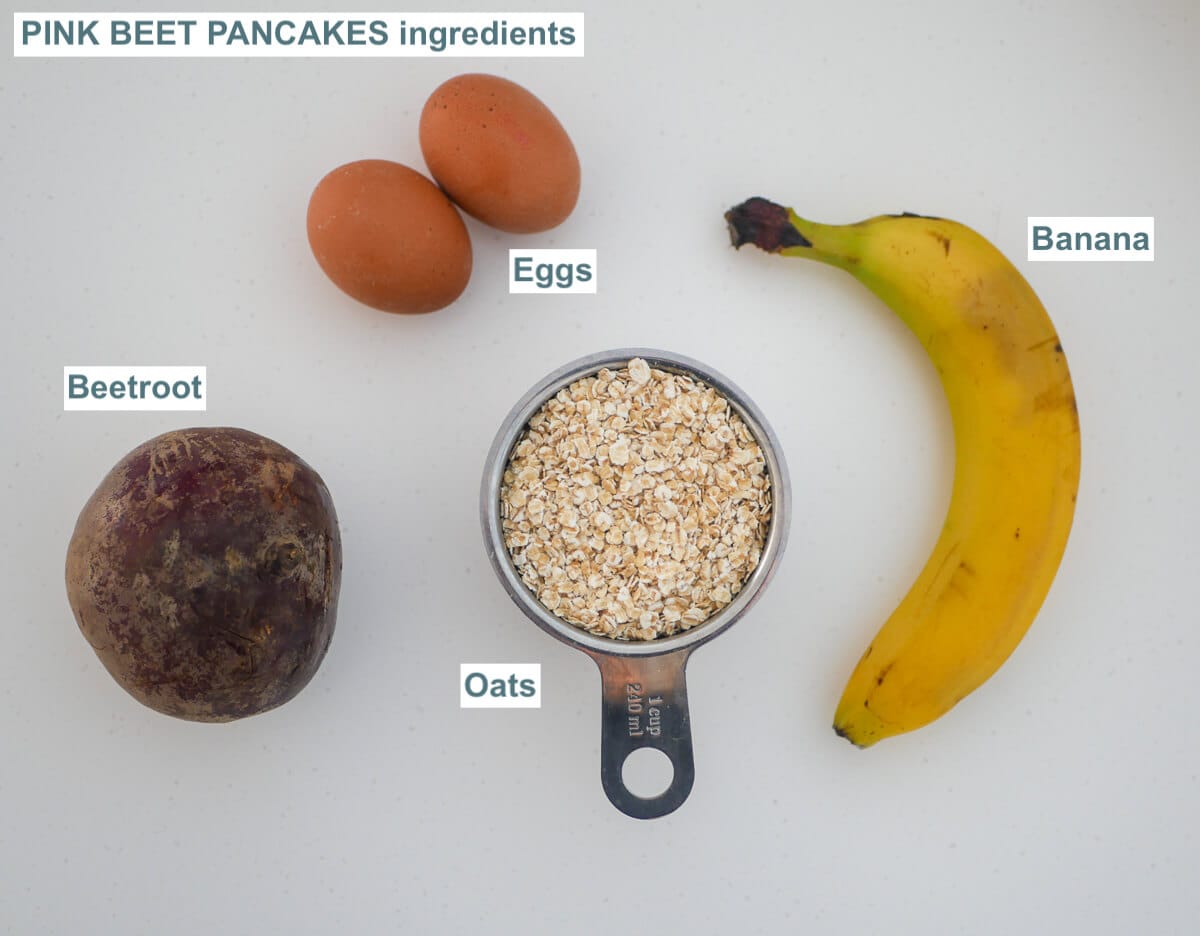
{"type": "Point", "coordinates": [1017, 454]}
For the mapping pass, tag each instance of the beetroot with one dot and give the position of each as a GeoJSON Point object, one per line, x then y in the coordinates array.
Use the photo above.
{"type": "Point", "coordinates": [204, 572]}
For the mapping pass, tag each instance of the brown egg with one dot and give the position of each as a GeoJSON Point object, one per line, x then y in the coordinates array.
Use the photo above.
{"type": "Point", "coordinates": [500, 154]}
{"type": "Point", "coordinates": [389, 237]}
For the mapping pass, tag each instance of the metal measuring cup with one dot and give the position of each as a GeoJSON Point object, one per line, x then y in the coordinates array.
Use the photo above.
{"type": "Point", "coordinates": [643, 682]}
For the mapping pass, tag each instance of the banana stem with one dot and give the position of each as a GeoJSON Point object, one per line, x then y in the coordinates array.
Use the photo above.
{"type": "Point", "coordinates": [780, 230]}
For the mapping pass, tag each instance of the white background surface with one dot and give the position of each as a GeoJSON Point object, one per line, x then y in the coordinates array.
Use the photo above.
{"type": "Point", "coordinates": [154, 212]}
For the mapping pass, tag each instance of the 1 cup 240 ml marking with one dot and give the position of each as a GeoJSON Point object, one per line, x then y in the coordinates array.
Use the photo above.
{"type": "Point", "coordinates": [637, 706]}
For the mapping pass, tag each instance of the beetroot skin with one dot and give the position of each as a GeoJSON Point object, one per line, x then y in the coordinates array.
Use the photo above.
{"type": "Point", "coordinates": [204, 572]}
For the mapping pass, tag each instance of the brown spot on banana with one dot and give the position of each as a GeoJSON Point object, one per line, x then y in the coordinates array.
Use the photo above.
{"type": "Point", "coordinates": [1060, 395]}
{"type": "Point", "coordinates": [1044, 342]}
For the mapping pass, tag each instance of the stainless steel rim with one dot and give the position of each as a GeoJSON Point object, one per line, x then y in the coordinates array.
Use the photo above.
{"type": "Point", "coordinates": [514, 425]}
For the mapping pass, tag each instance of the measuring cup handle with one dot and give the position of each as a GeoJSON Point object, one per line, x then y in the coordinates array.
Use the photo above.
{"type": "Point", "coordinates": [645, 706]}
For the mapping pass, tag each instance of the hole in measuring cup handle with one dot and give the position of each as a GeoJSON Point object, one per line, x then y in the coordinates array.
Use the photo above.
{"type": "Point", "coordinates": [647, 772]}
{"type": "Point", "coordinates": [645, 706]}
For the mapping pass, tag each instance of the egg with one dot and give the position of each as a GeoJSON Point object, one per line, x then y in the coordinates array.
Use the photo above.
{"type": "Point", "coordinates": [500, 153]}
{"type": "Point", "coordinates": [389, 237]}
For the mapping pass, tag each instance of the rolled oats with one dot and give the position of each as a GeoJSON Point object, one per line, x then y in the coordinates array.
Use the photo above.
{"type": "Point", "coordinates": [636, 503]}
